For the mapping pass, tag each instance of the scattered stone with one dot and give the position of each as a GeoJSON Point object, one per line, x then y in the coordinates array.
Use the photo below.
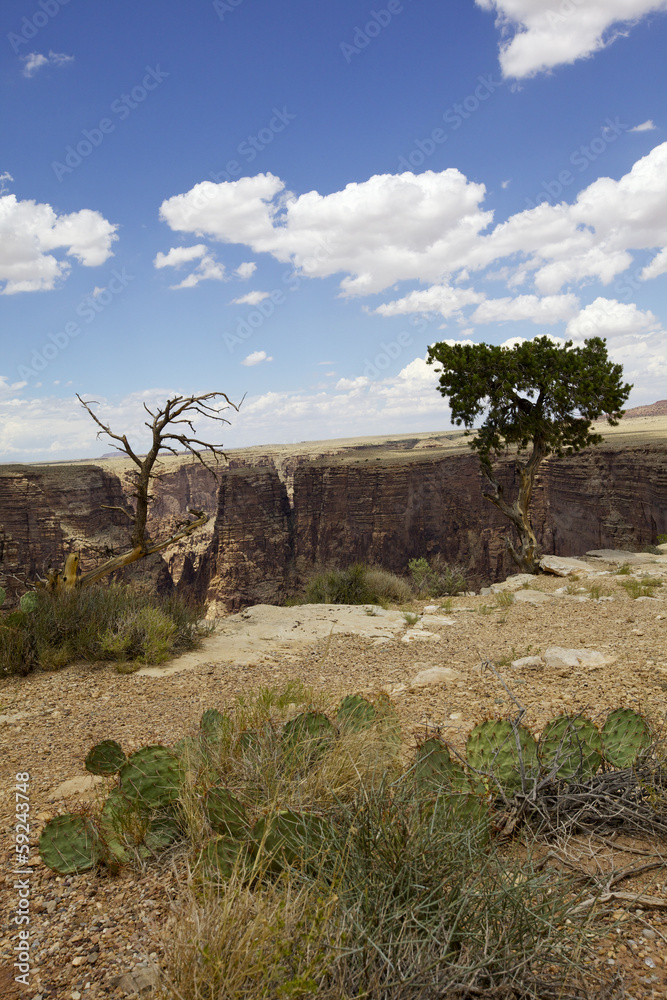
{"type": "Point", "coordinates": [558, 657]}
{"type": "Point", "coordinates": [430, 608]}
{"type": "Point", "coordinates": [528, 661]}
{"type": "Point", "coordinates": [84, 787]}
{"type": "Point", "coordinates": [6, 720]}
{"type": "Point", "coordinates": [434, 675]}
{"type": "Point", "coordinates": [532, 597]}
{"type": "Point", "coordinates": [512, 583]}
{"type": "Point", "coordinates": [564, 566]}
{"type": "Point", "coordinates": [418, 633]}
{"type": "Point", "coordinates": [648, 934]}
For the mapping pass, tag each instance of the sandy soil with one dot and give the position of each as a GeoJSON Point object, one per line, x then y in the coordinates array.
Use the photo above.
{"type": "Point", "coordinates": [90, 932]}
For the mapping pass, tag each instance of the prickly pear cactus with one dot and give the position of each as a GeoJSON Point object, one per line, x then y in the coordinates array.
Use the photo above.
{"type": "Point", "coordinates": [625, 735]}
{"type": "Point", "coordinates": [152, 777]}
{"type": "Point", "coordinates": [308, 734]}
{"type": "Point", "coordinates": [105, 758]}
{"type": "Point", "coordinates": [226, 814]}
{"type": "Point", "coordinates": [223, 854]}
{"type": "Point", "coordinates": [436, 771]}
{"type": "Point", "coordinates": [287, 838]}
{"type": "Point", "coordinates": [503, 750]}
{"type": "Point", "coordinates": [355, 713]}
{"type": "Point", "coordinates": [126, 828]}
{"type": "Point", "coordinates": [70, 844]}
{"type": "Point", "coordinates": [571, 747]}
{"type": "Point", "coordinates": [29, 602]}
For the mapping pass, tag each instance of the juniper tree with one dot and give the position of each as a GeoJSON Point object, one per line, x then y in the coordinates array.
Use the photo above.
{"type": "Point", "coordinates": [537, 398]}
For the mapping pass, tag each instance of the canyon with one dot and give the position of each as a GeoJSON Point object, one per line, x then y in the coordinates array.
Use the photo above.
{"type": "Point", "coordinates": [278, 512]}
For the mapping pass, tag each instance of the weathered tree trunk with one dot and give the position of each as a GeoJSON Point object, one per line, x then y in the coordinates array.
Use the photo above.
{"type": "Point", "coordinates": [527, 556]}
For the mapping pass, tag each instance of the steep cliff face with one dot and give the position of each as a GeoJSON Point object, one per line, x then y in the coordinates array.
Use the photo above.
{"type": "Point", "coordinates": [355, 505]}
{"type": "Point", "coordinates": [250, 559]}
{"type": "Point", "coordinates": [47, 512]}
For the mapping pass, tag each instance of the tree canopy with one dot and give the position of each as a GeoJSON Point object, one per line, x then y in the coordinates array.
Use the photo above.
{"type": "Point", "coordinates": [537, 394]}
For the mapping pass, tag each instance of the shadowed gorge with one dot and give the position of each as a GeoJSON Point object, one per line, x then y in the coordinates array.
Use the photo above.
{"type": "Point", "coordinates": [280, 512]}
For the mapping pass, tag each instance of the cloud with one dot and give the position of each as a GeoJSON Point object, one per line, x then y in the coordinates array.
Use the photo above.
{"type": "Point", "coordinates": [537, 35]}
{"type": "Point", "coordinates": [646, 126]}
{"type": "Point", "coordinates": [610, 318]}
{"type": "Point", "coordinates": [432, 228]}
{"type": "Point", "coordinates": [246, 270]}
{"type": "Point", "coordinates": [179, 255]}
{"type": "Point", "coordinates": [256, 358]}
{"type": "Point", "coordinates": [251, 299]}
{"type": "Point", "coordinates": [388, 228]}
{"type": "Point", "coordinates": [29, 230]}
{"type": "Point", "coordinates": [440, 299]}
{"type": "Point", "coordinates": [35, 60]}
{"type": "Point", "coordinates": [548, 310]}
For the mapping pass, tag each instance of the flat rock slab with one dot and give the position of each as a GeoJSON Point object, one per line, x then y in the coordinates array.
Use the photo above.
{"type": "Point", "coordinates": [558, 656]}
{"type": "Point", "coordinates": [620, 556]}
{"type": "Point", "coordinates": [532, 597]}
{"type": "Point", "coordinates": [265, 629]}
{"type": "Point", "coordinates": [528, 661]}
{"type": "Point", "coordinates": [512, 583]}
{"type": "Point", "coordinates": [434, 675]}
{"type": "Point", "coordinates": [82, 787]}
{"type": "Point", "coordinates": [419, 634]}
{"type": "Point", "coordinates": [564, 565]}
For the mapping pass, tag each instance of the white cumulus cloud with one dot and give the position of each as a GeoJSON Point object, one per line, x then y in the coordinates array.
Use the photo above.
{"type": "Point", "coordinates": [537, 35]}
{"type": "Point", "coordinates": [646, 126]}
{"type": "Point", "coordinates": [245, 270]}
{"type": "Point", "coordinates": [180, 255]}
{"type": "Point", "coordinates": [610, 318]}
{"type": "Point", "coordinates": [35, 60]}
{"type": "Point", "coordinates": [256, 358]}
{"type": "Point", "coordinates": [548, 310]}
{"type": "Point", "coordinates": [251, 299]}
{"type": "Point", "coordinates": [29, 231]}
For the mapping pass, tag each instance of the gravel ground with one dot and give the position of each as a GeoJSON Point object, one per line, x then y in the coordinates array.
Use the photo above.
{"type": "Point", "coordinates": [95, 935]}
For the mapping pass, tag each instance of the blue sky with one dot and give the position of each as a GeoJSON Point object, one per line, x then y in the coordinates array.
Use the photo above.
{"type": "Point", "coordinates": [289, 202]}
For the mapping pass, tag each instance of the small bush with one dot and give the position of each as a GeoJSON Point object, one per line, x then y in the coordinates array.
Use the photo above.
{"type": "Point", "coordinates": [436, 578]}
{"type": "Point", "coordinates": [388, 586]}
{"type": "Point", "coordinates": [96, 623]}
{"type": "Point", "coordinates": [641, 588]}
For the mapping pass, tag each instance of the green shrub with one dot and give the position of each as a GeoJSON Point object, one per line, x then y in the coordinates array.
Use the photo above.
{"type": "Point", "coordinates": [357, 584]}
{"type": "Point", "coordinates": [96, 623]}
{"type": "Point", "coordinates": [436, 578]}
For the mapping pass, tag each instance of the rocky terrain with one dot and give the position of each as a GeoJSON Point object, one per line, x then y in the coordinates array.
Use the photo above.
{"type": "Point", "coordinates": [280, 511]}
{"type": "Point", "coordinates": [579, 642]}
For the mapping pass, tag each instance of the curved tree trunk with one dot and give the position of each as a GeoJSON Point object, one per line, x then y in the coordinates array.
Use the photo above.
{"type": "Point", "coordinates": [528, 554]}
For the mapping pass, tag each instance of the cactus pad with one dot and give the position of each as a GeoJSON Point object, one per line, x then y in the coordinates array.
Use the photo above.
{"type": "Point", "coordinates": [105, 758]}
{"type": "Point", "coordinates": [571, 745]}
{"type": "Point", "coordinates": [152, 777]}
{"type": "Point", "coordinates": [355, 713]}
{"type": "Point", "coordinates": [288, 837]}
{"type": "Point", "coordinates": [308, 734]}
{"type": "Point", "coordinates": [436, 771]}
{"type": "Point", "coordinates": [492, 748]}
{"type": "Point", "coordinates": [226, 814]}
{"type": "Point", "coordinates": [28, 602]}
{"type": "Point", "coordinates": [222, 854]}
{"type": "Point", "coordinates": [69, 844]}
{"type": "Point", "coordinates": [625, 735]}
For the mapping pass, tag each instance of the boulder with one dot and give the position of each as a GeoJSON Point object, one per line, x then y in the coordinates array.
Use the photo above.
{"type": "Point", "coordinates": [532, 597]}
{"type": "Point", "coordinates": [564, 566]}
{"type": "Point", "coordinates": [559, 657]}
{"type": "Point", "coordinates": [528, 661]}
{"type": "Point", "coordinates": [434, 675]}
{"type": "Point", "coordinates": [512, 583]}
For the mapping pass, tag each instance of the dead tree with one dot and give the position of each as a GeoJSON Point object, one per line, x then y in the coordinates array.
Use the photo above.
{"type": "Point", "coordinates": [165, 434]}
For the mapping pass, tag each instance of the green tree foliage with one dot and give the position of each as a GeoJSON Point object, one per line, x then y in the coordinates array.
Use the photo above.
{"type": "Point", "coordinates": [538, 398]}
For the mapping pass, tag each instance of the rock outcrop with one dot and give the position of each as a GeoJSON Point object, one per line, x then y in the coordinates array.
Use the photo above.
{"type": "Point", "coordinates": [371, 504]}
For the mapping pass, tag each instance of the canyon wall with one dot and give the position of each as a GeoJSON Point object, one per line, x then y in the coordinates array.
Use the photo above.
{"type": "Point", "coordinates": [368, 504]}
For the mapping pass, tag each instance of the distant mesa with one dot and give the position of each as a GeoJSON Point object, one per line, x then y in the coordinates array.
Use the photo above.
{"type": "Point", "coordinates": [658, 409]}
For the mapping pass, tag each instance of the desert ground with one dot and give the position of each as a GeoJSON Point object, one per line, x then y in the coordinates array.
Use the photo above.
{"type": "Point", "coordinates": [101, 936]}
